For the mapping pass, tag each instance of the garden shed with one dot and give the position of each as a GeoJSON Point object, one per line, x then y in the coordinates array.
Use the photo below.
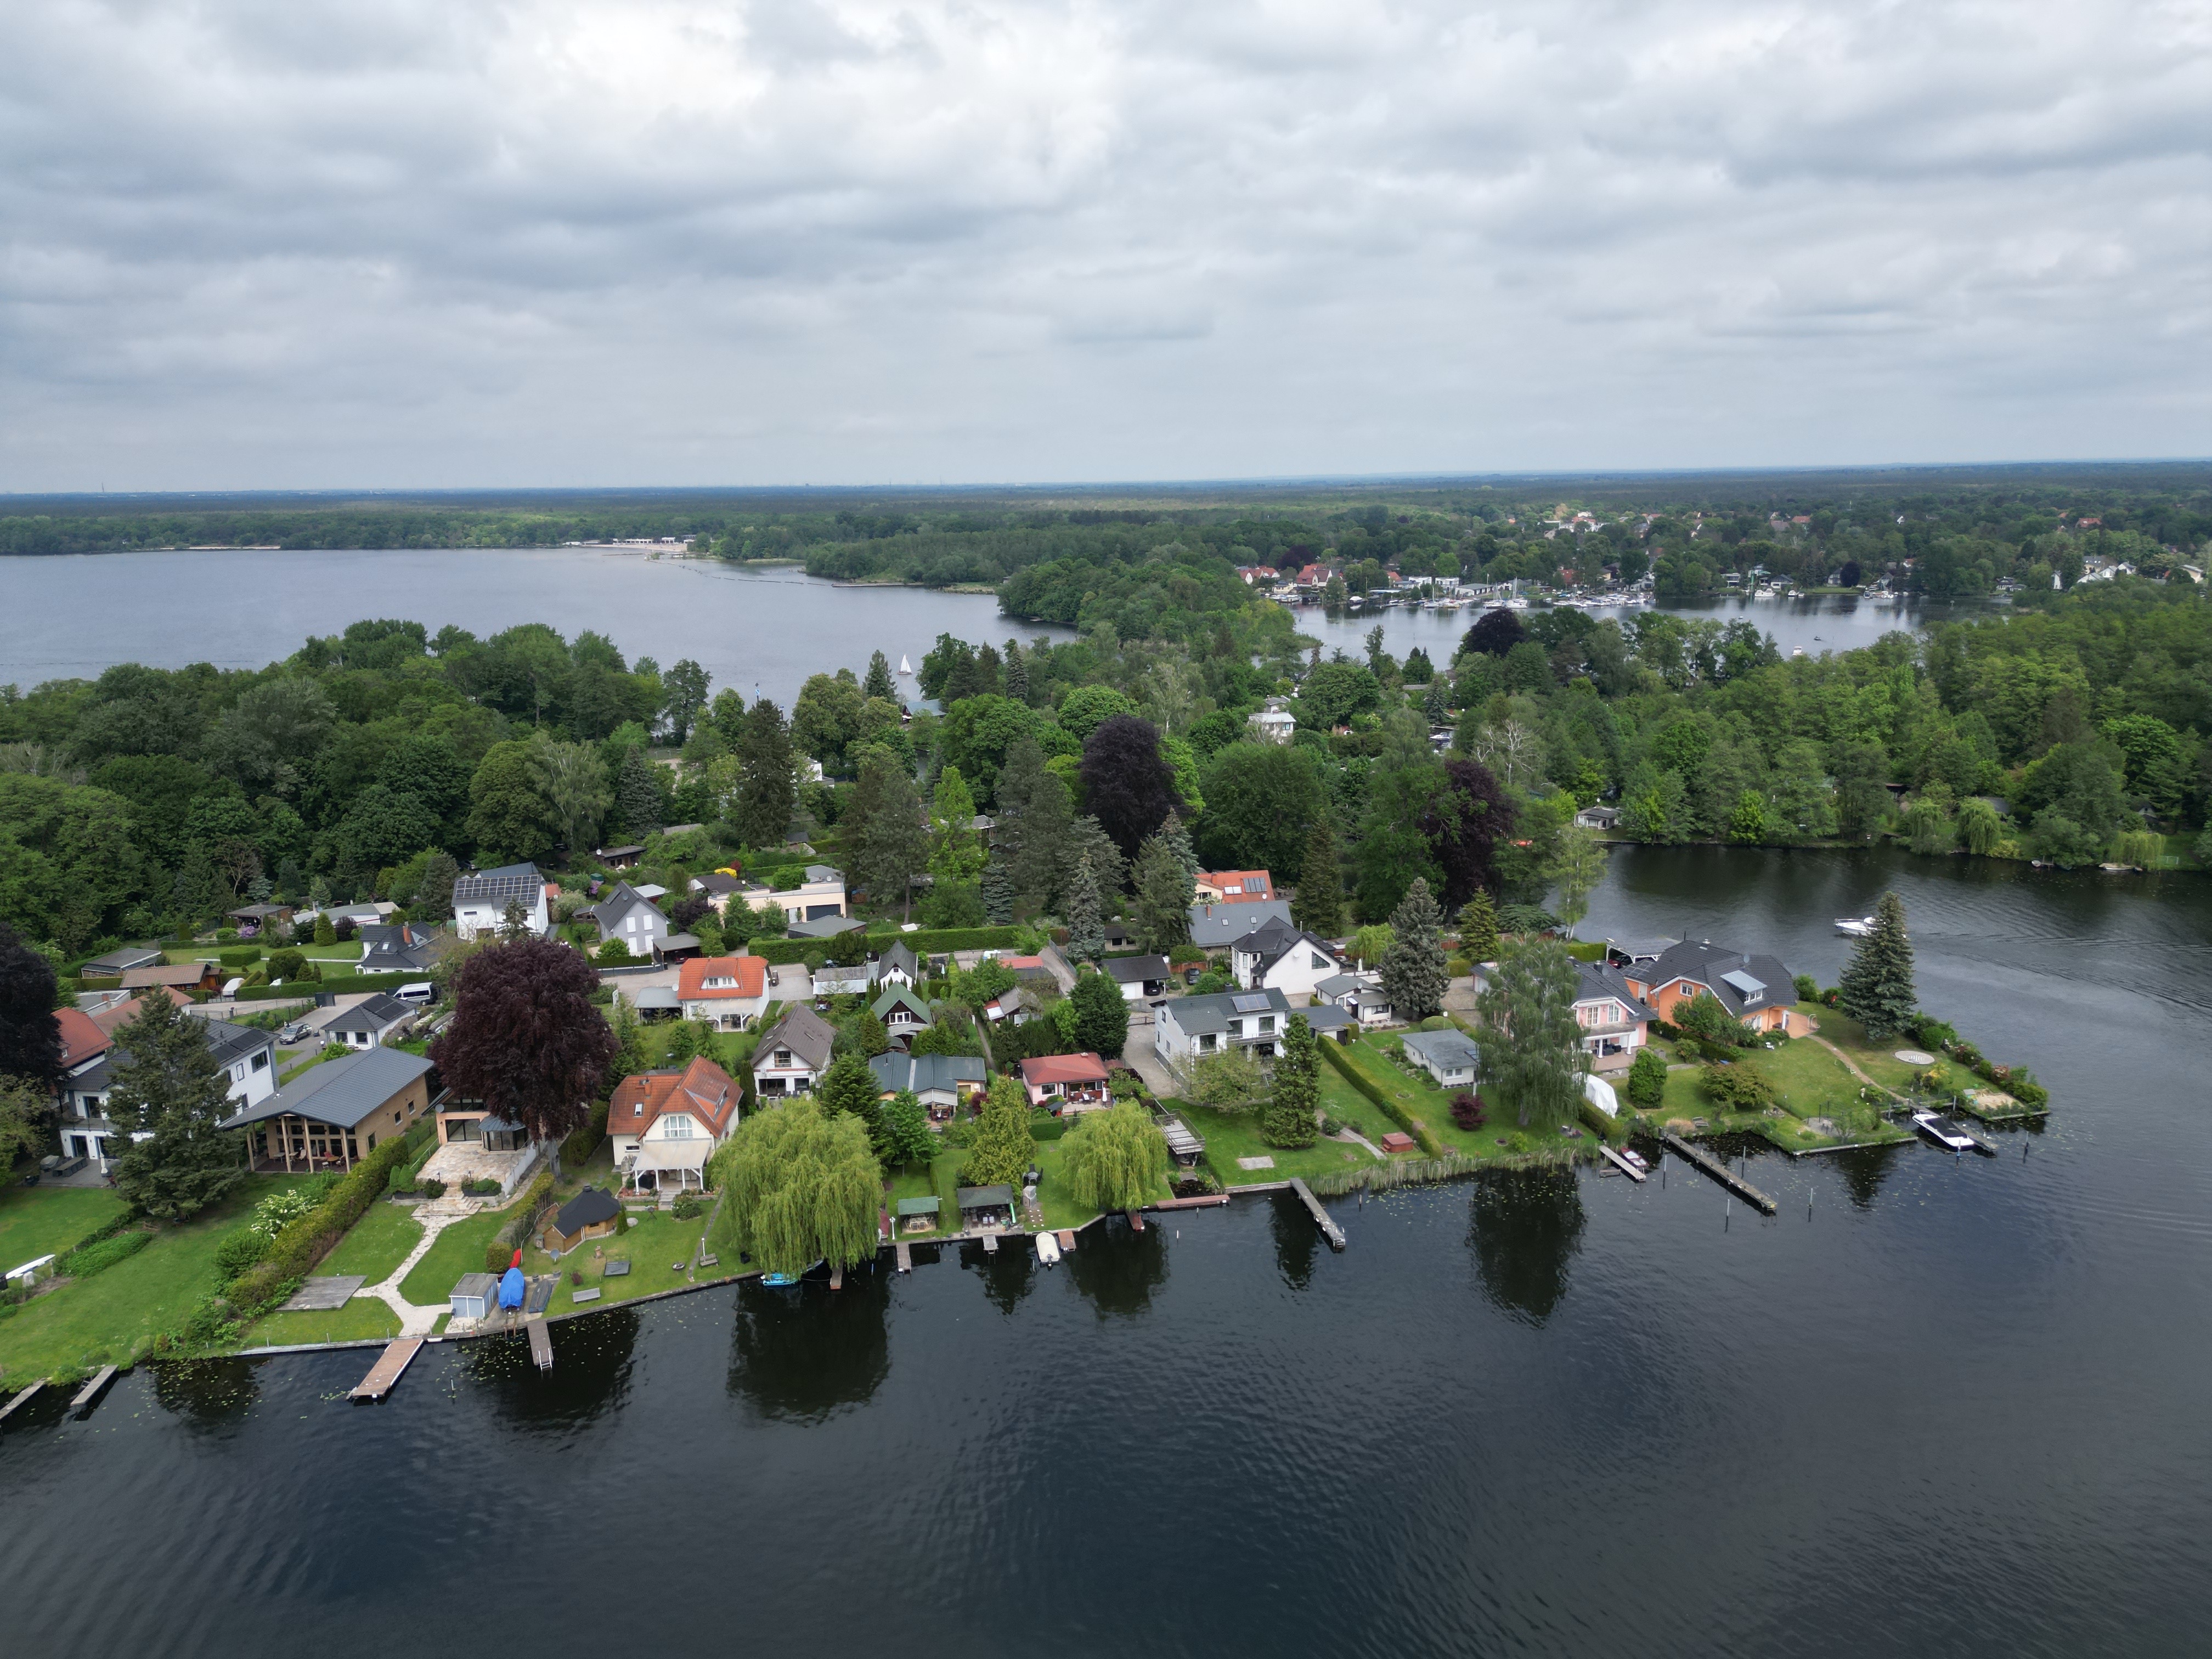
{"type": "Point", "coordinates": [987, 1206]}
{"type": "Point", "coordinates": [474, 1296]}
{"type": "Point", "coordinates": [592, 1213]}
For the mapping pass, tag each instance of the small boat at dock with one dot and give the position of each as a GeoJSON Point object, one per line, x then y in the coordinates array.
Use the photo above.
{"type": "Point", "coordinates": [1934, 1128]}
{"type": "Point", "coordinates": [1047, 1249]}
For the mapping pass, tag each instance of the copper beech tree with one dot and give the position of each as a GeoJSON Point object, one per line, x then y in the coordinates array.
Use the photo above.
{"type": "Point", "coordinates": [526, 1039]}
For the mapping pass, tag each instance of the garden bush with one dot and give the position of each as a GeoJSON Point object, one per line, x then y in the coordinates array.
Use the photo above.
{"type": "Point", "coordinates": [89, 1259]}
{"type": "Point", "coordinates": [688, 1208]}
{"type": "Point", "coordinates": [1741, 1087]}
{"type": "Point", "coordinates": [239, 1251]}
{"type": "Point", "coordinates": [1467, 1110]}
{"type": "Point", "coordinates": [432, 1188]}
{"type": "Point", "coordinates": [306, 1240]}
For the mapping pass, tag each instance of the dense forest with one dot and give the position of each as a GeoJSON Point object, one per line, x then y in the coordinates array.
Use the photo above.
{"type": "Point", "coordinates": [2068, 726]}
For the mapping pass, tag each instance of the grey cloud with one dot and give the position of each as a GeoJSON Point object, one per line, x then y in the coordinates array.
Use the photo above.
{"type": "Point", "coordinates": [248, 243]}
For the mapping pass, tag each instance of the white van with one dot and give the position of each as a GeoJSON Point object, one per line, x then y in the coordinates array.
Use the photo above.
{"type": "Point", "coordinates": [421, 993]}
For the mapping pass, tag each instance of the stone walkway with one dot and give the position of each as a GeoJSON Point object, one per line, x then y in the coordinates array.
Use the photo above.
{"type": "Point", "coordinates": [435, 1216]}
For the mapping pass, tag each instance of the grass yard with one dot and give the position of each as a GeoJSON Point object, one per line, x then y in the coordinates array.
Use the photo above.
{"type": "Point", "coordinates": [459, 1249]}
{"type": "Point", "coordinates": [1423, 1100]}
{"type": "Point", "coordinates": [378, 1243]}
{"type": "Point", "coordinates": [651, 1245]}
{"type": "Point", "coordinates": [360, 1319]}
{"type": "Point", "coordinates": [115, 1314]}
{"type": "Point", "coordinates": [1232, 1135]}
{"type": "Point", "coordinates": [42, 1220]}
{"type": "Point", "coordinates": [1811, 1082]}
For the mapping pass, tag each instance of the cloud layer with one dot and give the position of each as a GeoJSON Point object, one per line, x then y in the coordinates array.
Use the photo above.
{"type": "Point", "coordinates": [430, 242]}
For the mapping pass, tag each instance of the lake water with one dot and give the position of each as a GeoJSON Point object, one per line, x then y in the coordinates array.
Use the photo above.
{"type": "Point", "coordinates": [1952, 1407]}
{"type": "Point", "coordinates": [63, 618]}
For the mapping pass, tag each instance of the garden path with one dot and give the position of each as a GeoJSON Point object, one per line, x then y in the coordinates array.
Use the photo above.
{"type": "Point", "coordinates": [1852, 1066]}
{"type": "Point", "coordinates": [435, 1216]}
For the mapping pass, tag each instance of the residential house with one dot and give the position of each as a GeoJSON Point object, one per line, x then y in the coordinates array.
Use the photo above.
{"type": "Point", "coordinates": [334, 1113]}
{"type": "Point", "coordinates": [899, 966]}
{"type": "Point", "coordinates": [1276, 955]}
{"type": "Point", "coordinates": [619, 858]}
{"type": "Point", "coordinates": [943, 1083]}
{"type": "Point", "coordinates": [406, 948]}
{"type": "Point", "coordinates": [1142, 979]}
{"type": "Point", "coordinates": [116, 964]}
{"type": "Point", "coordinates": [1067, 1083]}
{"type": "Point", "coordinates": [187, 976]}
{"type": "Point", "coordinates": [372, 1023]}
{"type": "Point", "coordinates": [837, 980]}
{"type": "Point", "coordinates": [1327, 1019]}
{"type": "Point", "coordinates": [1030, 970]}
{"type": "Point", "coordinates": [1217, 926]}
{"type": "Point", "coordinates": [1359, 996]}
{"type": "Point", "coordinates": [628, 915]}
{"type": "Point", "coordinates": [1277, 725]}
{"type": "Point", "coordinates": [1008, 1006]}
{"type": "Point", "coordinates": [668, 1122]}
{"type": "Point", "coordinates": [481, 899]}
{"type": "Point", "coordinates": [717, 887]}
{"type": "Point", "coordinates": [1235, 887]}
{"type": "Point", "coordinates": [792, 1055]}
{"type": "Point", "coordinates": [90, 1059]}
{"type": "Point", "coordinates": [902, 1012]}
{"type": "Point", "coordinates": [1188, 1029]}
{"type": "Point", "coordinates": [728, 993]}
{"type": "Point", "coordinates": [1451, 1057]}
{"type": "Point", "coordinates": [1615, 1022]}
{"type": "Point", "coordinates": [1757, 990]}
{"type": "Point", "coordinates": [820, 895]}
{"type": "Point", "coordinates": [1628, 952]}
{"type": "Point", "coordinates": [1598, 817]}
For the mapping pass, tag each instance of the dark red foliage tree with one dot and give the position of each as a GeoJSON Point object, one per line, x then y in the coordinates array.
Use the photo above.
{"type": "Point", "coordinates": [1126, 784]}
{"type": "Point", "coordinates": [1463, 825]}
{"type": "Point", "coordinates": [1467, 1110]}
{"type": "Point", "coordinates": [526, 1039]}
{"type": "Point", "coordinates": [30, 1042]}
{"type": "Point", "coordinates": [1498, 633]}
{"type": "Point", "coordinates": [687, 911]}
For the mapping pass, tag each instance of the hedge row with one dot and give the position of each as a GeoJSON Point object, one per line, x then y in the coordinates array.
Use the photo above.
{"type": "Point", "coordinates": [1334, 1053]}
{"type": "Point", "coordinates": [296, 989]}
{"type": "Point", "coordinates": [304, 1243]}
{"type": "Point", "coordinates": [585, 1139]}
{"type": "Point", "coordinates": [86, 1260]}
{"type": "Point", "coordinates": [509, 1238]}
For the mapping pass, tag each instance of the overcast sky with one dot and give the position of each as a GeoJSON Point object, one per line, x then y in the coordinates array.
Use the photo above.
{"type": "Point", "coordinates": [274, 243]}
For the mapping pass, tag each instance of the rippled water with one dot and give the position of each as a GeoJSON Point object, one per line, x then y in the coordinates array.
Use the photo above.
{"type": "Point", "coordinates": [1934, 1407]}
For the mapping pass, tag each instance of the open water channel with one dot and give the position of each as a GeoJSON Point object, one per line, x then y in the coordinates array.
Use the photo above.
{"type": "Point", "coordinates": [1934, 1406]}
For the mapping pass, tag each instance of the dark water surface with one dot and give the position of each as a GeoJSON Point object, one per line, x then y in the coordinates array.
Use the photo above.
{"type": "Point", "coordinates": [1961, 1409]}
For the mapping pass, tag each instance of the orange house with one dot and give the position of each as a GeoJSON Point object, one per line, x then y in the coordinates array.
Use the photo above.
{"type": "Point", "coordinates": [1757, 990]}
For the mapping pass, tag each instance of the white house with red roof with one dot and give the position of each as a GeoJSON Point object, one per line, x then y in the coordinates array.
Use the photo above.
{"type": "Point", "coordinates": [1234, 887]}
{"type": "Point", "coordinates": [728, 993]}
{"type": "Point", "coordinates": [669, 1122]}
{"type": "Point", "coordinates": [1067, 1083]}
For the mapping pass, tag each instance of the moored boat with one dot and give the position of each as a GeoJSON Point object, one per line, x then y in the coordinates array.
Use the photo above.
{"type": "Point", "coordinates": [1855, 926]}
{"type": "Point", "coordinates": [1934, 1128]}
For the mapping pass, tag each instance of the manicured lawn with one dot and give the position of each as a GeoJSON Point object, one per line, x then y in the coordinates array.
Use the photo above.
{"type": "Point", "coordinates": [360, 1318]}
{"type": "Point", "coordinates": [36, 1221]}
{"type": "Point", "coordinates": [1232, 1135]}
{"type": "Point", "coordinates": [1061, 1210]}
{"type": "Point", "coordinates": [113, 1314]}
{"type": "Point", "coordinates": [651, 1246]}
{"type": "Point", "coordinates": [459, 1249]}
{"type": "Point", "coordinates": [377, 1245]}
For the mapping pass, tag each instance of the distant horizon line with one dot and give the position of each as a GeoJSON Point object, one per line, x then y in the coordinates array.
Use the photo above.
{"type": "Point", "coordinates": [1280, 481]}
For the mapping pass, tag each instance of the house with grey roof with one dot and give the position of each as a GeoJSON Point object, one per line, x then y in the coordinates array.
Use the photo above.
{"type": "Point", "coordinates": [1614, 1020]}
{"type": "Point", "coordinates": [371, 1022]}
{"type": "Point", "coordinates": [824, 927]}
{"type": "Point", "coordinates": [792, 1054]}
{"type": "Point", "coordinates": [1217, 926]}
{"type": "Point", "coordinates": [246, 1054]}
{"type": "Point", "coordinates": [1757, 990]}
{"type": "Point", "coordinates": [898, 965]}
{"type": "Point", "coordinates": [481, 899]}
{"type": "Point", "coordinates": [1187, 1029]}
{"type": "Point", "coordinates": [1359, 996]}
{"type": "Point", "coordinates": [940, 1082]}
{"type": "Point", "coordinates": [902, 1012]}
{"type": "Point", "coordinates": [1451, 1057]}
{"type": "Point", "coordinates": [404, 948]}
{"type": "Point", "coordinates": [1142, 979]}
{"type": "Point", "coordinates": [335, 1113]}
{"type": "Point", "coordinates": [1279, 955]}
{"type": "Point", "coordinates": [632, 917]}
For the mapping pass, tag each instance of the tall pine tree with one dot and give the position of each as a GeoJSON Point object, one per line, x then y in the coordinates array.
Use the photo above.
{"type": "Point", "coordinates": [878, 683]}
{"type": "Point", "coordinates": [1001, 1149]}
{"type": "Point", "coordinates": [767, 780]}
{"type": "Point", "coordinates": [1288, 1120]}
{"type": "Point", "coordinates": [1413, 976]}
{"type": "Point", "coordinates": [1877, 988]}
{"type": "Point", "coordinates": [639, 801]}
{"type": "Point", "coordinates": [1017, 673]}
{"type": "Point", "coordinates": [997, 889]}
{"type": "Point", "coordinates": [1086, 931]}
{"type": "Point", "coordinates": [1165, 890]}
{"type": "Point", "coordinates": [171, 1090]}
{"type": "Point", "coordinates": [1319, 906]}
{"type": "Point", "coordinates": [1478, 929]}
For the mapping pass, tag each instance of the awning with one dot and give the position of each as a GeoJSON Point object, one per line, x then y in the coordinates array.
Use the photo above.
{"type": "Point", "coordinates": [673, 1154]}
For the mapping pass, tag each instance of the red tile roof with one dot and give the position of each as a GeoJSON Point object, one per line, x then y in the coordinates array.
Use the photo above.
{"type": "Point", "coordinates": [751, 974]}
{"type": "Point", "coordinates": [82, 1040]}
{"type": "Point", "coordinates": [122, 1013]}
{"type": "Point", "coordinates": [1240, 886]}
{"type": "Point", "coordinates": [702, 1089]}
{"type": "Point", "coordinates": [1063, 1068]}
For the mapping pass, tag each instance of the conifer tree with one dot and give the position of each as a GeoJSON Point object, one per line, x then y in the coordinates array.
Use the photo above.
{"type": "Point", "coordinates": [172, 1090]}
{"type": "Point", "coordinates": [907, 1137]}
{"type": "Point", "coordinates": [1413, 976]}
{"type": "Point", "coordinates": [894, 841]}
{"type": "Point", "coordinates": [1877, 988]}
{"type": "Point", "coordinates": [997, 889]}
{"type": "Point", "coordinates": [1087, 840]}
{"type": "Point", "coordinates": [433, 896]}
{"type": "Point", "coordinates": [878, 683]}
{"type": "Point", "coordinates": [850, 1086]}
{"type": "Point", "coordinates": [1002, 1148]}
{"type": "Point", "coordinates": [955, 850]}
{"type": "Point", "coordinates": [1086, 933]}
{"type": "Point", "coordinates": [1478, 929]}
{"type": "Point", "coordinates": [1319, 907]}
{"type": "Point", "coordinates": [638, 799]}
{"type": "Point", "coordinates": [1017, 673]}
{"type": "Point", "coordinates": [1177, 834]}
{"type": "Point", "coordinates": [768, 784]}
{"type": "Point", "coordinates": [1288, 1120]}
{"type": "Point", "coordinates": [1164, 891]}
{"type": "Point", "coordinates": [1101, 1016]}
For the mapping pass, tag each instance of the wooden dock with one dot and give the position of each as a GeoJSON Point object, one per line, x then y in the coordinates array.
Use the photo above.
{"type": "Point", "coordinates": [1707, 1164]}
{"type": "Point", "coordinates": [20, 1400]}
{"type": "Point", "coordinates": [1136, 1222]}
{"type": "Point", "coordinates": [541, 1344]}
{"type": "Point", "coordinates": [1329, 1230]}
{"type": "Point", "coordinates": [385, 1374]}
{"type": "Point", "coordinates": [1067, 1238]}
{"type": "Point", "coordinates": [990, 1243]}
{"type": "Point", "coordinates": [1621, 1163]}
{"type": "Point", "coordinates": [902, 1253]}
{"type": "Point", "coordinates": [90, 1393]}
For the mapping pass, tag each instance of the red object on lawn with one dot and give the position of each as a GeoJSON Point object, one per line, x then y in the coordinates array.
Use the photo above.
{"type": "Point", "coordinates": [517, 1262]}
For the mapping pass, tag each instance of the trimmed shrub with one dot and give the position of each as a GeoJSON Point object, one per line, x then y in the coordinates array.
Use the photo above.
{"type": "Point", "coordinates": [688, 1208]}
{"type": "Point", "coordinates": [1467, 1110]}
{"type": "Point", "coordinates": [239, 1251]}
{"type": "Point", "coordinates": [434, 1188]}
{"type": "Point", "coordinates": [89, 1259]}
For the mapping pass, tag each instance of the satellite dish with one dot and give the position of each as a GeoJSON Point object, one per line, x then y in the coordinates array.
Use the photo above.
{"type": "Point", "coordinates": [231, 988]}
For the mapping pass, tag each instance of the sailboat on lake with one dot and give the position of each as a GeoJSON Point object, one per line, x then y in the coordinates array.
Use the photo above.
{"type": "Point", "coordinates": [905, 665]}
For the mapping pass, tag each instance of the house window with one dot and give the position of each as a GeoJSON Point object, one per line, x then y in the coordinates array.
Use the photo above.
{"type": "Point", "coordinates": [676, 1128]}
{"type": "Point", "coordinates": [1206, 1043]}
{"type": "Point", "coordinates": [783, 1057]}
{"type": "Point", "coordinates": [1267, 1021]}
{"type": "Point", "coordinates": [261, 1061]}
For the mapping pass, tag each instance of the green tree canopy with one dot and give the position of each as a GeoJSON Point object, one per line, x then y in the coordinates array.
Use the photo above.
{"type": "Point", "coordinates": [171, 1090]}
{"type": "Point", "coordinates": [1877, 989]}
{"type": "Point", "coordinates": [801, 1184]}
{"type": "Point", "coordinates": [1532, 1061]}
{"type": "Point", "coordinates": [1116, 1159]}
{"type": "Point", "coordinates": [1001, 1149]}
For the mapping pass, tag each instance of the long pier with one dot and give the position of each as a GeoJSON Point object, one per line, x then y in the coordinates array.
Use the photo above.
{"type": "Point", "coordinates": [21, 1400]}
{"type": "Point", "coordinates": [1329, 1230]}
{"type": "Point", "coordinates": [1708, 1164]}
{"type": "Point", "coordinates": [385, 1374]}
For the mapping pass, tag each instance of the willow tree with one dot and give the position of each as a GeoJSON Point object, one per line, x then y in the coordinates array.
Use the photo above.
{"type": "Point", "coordinates": [1532, 1061]}
{"type": "Point", "coordinates": [800, 1185]}
{"type": "Point", "coordinates": [1115, 1159]}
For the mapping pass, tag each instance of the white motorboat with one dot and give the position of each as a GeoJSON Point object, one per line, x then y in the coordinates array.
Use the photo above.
{"type": "Point", "coordinates": [1935, 1129]}
{"type": "Point", "coordinates": [1047, 1249]}
{"type": "Point", "coordinates": [1855, 926]}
